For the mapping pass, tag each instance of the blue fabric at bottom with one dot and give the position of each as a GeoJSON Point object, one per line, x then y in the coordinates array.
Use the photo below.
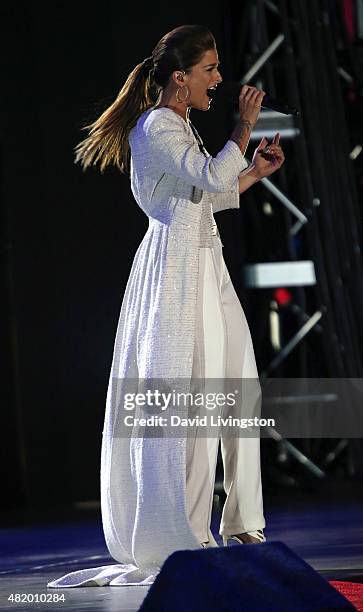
{"type": "Point", "coordinates": [252, 577]}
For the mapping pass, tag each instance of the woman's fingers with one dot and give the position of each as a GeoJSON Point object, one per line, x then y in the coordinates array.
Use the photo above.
{"type": "Point", "coordinates": [263, 143]}
{"type": "Point", "coordinates": [250, 104]}
{"type": "Point", "coordinates": [273, 150]}
{"type": "Point", "coordinates": [251, 94]}
{"type": "Point", "coordinates": [274, 154]}
{"type": "Point", "coordinates": [257, 97]}
{"type": "Point", "coordinates": [269, 157]}
{"type": "Point", "coordinates": [247, 89]}
{"type": "Point", "coordinates": [276, 139]}
{"type": "Point", "coordinates": [278, 159]}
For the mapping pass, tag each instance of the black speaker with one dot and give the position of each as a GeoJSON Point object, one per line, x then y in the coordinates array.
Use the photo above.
{"type": "Point", "coordinates": [250, 577]}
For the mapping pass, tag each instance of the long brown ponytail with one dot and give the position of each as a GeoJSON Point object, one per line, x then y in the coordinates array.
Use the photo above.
{"type": "Point", "coordinates": [107, 141]}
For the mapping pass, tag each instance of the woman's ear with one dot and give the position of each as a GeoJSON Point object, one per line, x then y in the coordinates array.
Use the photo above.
{"type": "Point", "coordinates": [178, 77]}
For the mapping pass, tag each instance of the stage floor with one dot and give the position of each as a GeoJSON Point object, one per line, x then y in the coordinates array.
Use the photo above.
{"type": "Point", "coordinates": [324, 528]}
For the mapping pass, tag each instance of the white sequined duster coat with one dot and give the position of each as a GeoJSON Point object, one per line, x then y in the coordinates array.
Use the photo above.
{"type": "Point", "coordinates": [143, 479]}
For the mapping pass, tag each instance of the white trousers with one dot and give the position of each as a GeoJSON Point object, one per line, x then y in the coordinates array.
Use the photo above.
{"type": "Point", "coordinates": [223, 349]}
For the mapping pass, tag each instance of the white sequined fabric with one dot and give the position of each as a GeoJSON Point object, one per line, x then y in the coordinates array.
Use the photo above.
{"type": "Point", "coordinates": [143, 479]}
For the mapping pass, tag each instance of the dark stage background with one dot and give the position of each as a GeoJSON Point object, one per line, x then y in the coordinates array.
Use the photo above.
{"type": "Point", "coordinates": [68, 238]}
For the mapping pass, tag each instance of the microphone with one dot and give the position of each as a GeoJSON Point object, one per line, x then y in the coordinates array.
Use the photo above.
{"type": "Point", "coordinates": [229, 90]}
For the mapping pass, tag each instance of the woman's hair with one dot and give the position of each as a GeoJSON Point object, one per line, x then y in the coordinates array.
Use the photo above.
{"type": "Point", "coordinates": [107, 141]}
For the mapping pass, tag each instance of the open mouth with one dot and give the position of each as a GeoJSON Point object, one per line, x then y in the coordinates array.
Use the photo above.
{"type": "Point", "coordinates": [211, 91]}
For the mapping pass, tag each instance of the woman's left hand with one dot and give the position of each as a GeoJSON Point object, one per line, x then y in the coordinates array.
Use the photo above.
{"type": "Point", "coordinates": [268, 158]}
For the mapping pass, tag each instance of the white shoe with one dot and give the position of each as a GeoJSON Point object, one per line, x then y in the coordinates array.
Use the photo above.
{"type": "Point", "coordinates": [249, 537]}
{"type": "Point", "coordinates": [211, 543]}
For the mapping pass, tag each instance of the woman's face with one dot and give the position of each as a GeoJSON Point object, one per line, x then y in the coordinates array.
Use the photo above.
{"type": "Point", "coordinates": [203, 75]}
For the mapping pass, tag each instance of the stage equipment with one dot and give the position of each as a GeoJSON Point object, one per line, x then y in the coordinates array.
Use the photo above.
{"type": "Point", "coordinates": [253, 577]}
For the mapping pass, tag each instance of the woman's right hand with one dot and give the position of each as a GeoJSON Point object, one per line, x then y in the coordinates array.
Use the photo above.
{"type": "Point", "coordinates": [250, 100]}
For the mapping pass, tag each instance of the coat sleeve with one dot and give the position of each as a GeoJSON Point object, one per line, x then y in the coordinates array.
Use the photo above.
{"type": "Point", "coordinates": [173, 150]}
{"type": "Point", "coordinates": [227, 199]}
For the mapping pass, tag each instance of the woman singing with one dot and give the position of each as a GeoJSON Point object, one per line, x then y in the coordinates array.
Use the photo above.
{"type": "Point", "coordinates": [180, 316]}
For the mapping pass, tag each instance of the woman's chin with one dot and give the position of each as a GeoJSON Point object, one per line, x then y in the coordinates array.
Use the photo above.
{"type": "Point", "coordinates": [203, 105]}
{"type": "Point", "coordinates": [206, 104]}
